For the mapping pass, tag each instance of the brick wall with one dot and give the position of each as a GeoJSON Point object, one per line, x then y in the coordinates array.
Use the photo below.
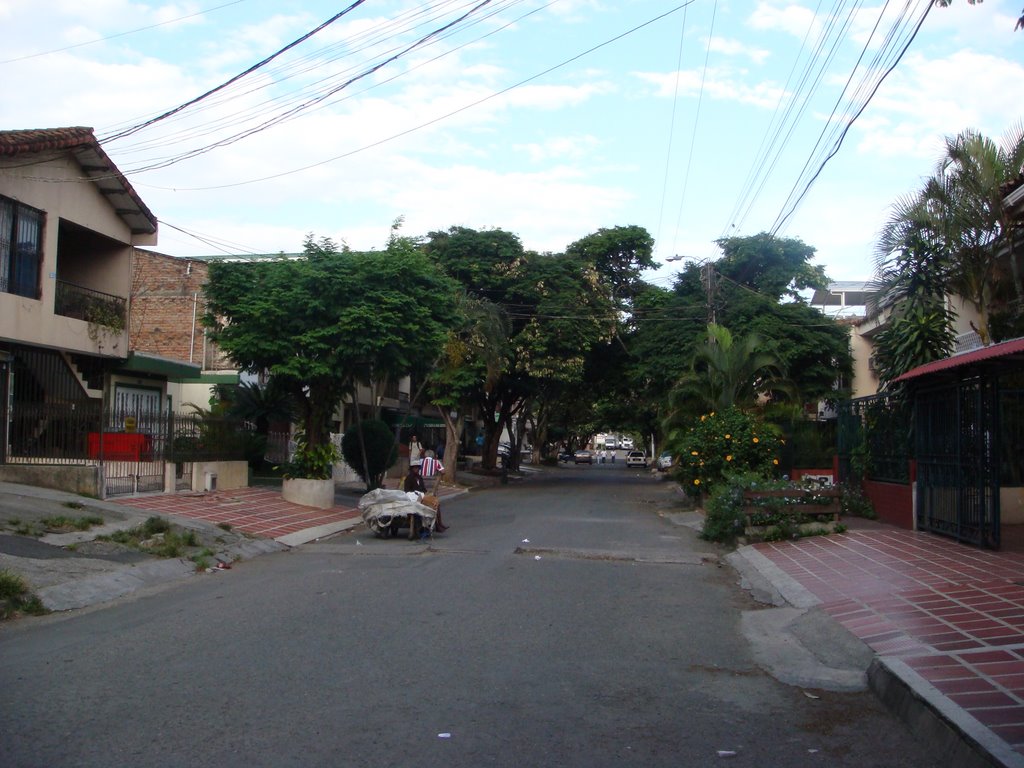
{"type": "Point", "coordinates": [166, 293]}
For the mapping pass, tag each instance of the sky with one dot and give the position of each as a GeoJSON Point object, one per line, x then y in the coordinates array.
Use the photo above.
{"type": "Point", "coordinates": [549, 119]}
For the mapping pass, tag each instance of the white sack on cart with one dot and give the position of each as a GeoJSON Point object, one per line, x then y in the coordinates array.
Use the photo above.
{"type": "Point", "coordinates": [381, 505]}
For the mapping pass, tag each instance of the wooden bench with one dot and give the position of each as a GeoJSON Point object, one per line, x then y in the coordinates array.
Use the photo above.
{"type": "Point", "coordinates": [821, 505]}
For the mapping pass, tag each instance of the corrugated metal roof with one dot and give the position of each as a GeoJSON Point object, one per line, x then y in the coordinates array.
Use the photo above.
{"type": "Point", "coordinates": [991, 352]}
{"type": "Point", "coordinates": [95, 163]}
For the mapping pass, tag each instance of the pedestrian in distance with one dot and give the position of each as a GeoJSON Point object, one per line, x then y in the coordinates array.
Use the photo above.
{"type": "Point", "coordinates": [415, 449]}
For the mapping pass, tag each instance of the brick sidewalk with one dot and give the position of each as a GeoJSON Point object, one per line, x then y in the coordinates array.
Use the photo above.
{"type": "Point", "coordinates": [952, 613]}
{"type": "Point", "coordinates": [257, 511]}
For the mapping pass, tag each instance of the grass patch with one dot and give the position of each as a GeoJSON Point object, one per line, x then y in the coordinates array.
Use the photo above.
{"type": "Point", "coordinates": [157, 537]}
{"type": "Point", "coordinates": [63, 524]}
{"type": "Point", "coordinates": [16, 599]}
{"type": "Point", "coordinates": [53, 524]}
{"type": "Point", "coordinates": [224, 526]}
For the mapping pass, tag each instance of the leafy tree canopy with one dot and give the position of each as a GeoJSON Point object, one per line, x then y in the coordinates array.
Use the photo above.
{"type": "Point", "coordinates": [754, 289]}
{"type": "Point", "coordinates": [772, 266]}
{"type": "Point", "coordinates": [619, 255]}
{"type": "Point", "coordinates": [323, 322]}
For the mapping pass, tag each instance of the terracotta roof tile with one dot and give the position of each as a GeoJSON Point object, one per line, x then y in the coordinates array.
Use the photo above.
{"type": "Point", "coordinates": [96, 164]}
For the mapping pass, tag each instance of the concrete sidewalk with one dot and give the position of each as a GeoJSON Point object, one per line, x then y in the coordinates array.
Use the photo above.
{"type": "Point", "coordinates": [944, 621]}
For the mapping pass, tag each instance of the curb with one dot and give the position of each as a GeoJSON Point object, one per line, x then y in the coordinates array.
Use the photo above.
{"type": "Point", "coordinates": [926, 711]}
{"type": "Point", "coordinates": [318, 532]}
{"type": "Point", "coordinates": [111, 585]}
{"type": "Point", "coordinates": [933, 718]}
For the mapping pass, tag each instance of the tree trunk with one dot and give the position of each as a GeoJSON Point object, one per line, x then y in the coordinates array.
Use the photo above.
{"type": "Point", "coordinates": [452, 438]}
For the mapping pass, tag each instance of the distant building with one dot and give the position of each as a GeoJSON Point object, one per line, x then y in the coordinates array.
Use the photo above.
{"type": "Point", "coordinates": [843, 299]}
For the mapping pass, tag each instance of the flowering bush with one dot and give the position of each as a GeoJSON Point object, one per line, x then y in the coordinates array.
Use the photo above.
{"type": "Point", "coordinates": [727, 441]}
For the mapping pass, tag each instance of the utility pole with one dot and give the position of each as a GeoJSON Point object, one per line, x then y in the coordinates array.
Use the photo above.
{"type": "Point", "coordinates": [707, 278]}
{"type": "Point", "coordinates": [708, 275]}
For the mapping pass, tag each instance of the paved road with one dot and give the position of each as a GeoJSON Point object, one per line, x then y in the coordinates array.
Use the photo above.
{"type": "Point", "coordinates": [561, 622]}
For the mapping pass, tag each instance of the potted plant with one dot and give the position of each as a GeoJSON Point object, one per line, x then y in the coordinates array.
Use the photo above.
{"type": "Point", "coordinates": [309, 475]}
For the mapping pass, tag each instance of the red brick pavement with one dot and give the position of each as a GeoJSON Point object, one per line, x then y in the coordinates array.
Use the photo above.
{"type": "Point", "coordinates": [953, 613]}
{"type": "Point", "coordinates": [257, 511]}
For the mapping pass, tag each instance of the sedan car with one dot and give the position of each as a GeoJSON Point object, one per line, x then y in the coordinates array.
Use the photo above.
{"type": "Point", "coordinates": [665, 461]}
{"type": "Point", "coordinates": [636, 459]}
{"type": "Point", "coordinates": [583, 457]}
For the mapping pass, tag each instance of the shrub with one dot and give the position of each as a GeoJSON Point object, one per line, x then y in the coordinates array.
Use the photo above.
{"type": "Point", "coordinates": [381, 450]}
{"type": "Point", "coordinates": [724, 519]}
{"type": "Point", "coordinates": [311, 462]}
{"type": "Point", "coordinates": [853, 502]}
{"type": "Point", "coordinates": [15, 597]}
{"type": "Point", "coordinates": [730, 441]}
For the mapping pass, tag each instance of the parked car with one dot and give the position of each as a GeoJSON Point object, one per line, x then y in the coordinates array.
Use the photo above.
{"type": "Point", "coordinates": [636, 459]}
{"type": "Point", "coordinates": [583, 457]}
{"type": "Point", "coordinates": [665, 461]}
{"type": "Point", "coordinates": [627, 443]}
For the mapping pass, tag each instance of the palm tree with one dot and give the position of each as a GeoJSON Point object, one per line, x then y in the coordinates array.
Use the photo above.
{"type": "Point", "coordinates": [727, 371]}
{"type": "Point", "coordinates": [960, 216]}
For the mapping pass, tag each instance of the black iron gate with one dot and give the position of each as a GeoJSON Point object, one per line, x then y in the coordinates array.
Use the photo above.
{"type": "Point", "coordinates": [956, 428]}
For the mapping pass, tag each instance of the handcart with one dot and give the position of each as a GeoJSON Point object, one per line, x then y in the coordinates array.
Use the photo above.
{"type": "Point", "coordinates": [386, 511]}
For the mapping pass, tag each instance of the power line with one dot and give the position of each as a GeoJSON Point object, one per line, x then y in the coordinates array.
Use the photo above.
{"type": "Point", "coordinates": [785, 214]}
{"type": "Point", "coordinates": [222, 86]}
{"type": "Point", "coordinates": [696, 122]}
{"type": "Point", "coordinates": [433, 121]}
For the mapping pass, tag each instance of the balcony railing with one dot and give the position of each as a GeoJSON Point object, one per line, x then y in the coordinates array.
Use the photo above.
{"type": "Point", "coordinates": [92, 306]}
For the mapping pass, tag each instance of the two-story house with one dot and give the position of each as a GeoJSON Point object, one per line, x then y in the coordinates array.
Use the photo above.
{"type": "Point", "coordinates": [69, 221]}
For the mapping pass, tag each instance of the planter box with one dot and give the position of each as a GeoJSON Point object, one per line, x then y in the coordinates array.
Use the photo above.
{"type": "Point", "coordinates": [309, 493]}
{"type": "Point", "coordinates": [754, 533]}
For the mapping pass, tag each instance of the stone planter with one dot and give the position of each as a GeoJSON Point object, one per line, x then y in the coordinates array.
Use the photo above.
{"type": "Point", "coordinates": [309, 493]}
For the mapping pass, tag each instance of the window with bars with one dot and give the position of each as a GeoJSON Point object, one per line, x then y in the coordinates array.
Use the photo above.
{"type": "Point", "coordinates": [21, 248]}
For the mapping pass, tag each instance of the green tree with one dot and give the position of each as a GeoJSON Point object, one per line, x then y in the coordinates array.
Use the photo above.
{"type": "Point", "coordinates": [324, 322]}
{"type": "Point", "coordinates": [619, 256]}
{"type": "Point", "coordinates": [757, 288]}
{"type": "Point", "coordinates": [369, 448]}
{"type": "Point", "coordinates": [475, 352]}
{"type": "Point", "coordinates": [729, 372]}
{"type": "Point", "coordinates": [960, 217]}
{"type": "Point", "coordinates": [720, 443]}
{"type": "Point", "coordinates": [546, 340]}
{"type": "Point", "coordinates": [920, 326]}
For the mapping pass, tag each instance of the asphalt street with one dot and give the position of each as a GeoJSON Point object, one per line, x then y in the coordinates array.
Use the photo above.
{"type": "Point", "coordinates": [568, 621]}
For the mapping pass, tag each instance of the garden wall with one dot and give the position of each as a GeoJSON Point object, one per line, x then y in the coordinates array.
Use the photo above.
{"type": "Point", "coordinates": [894, 502]}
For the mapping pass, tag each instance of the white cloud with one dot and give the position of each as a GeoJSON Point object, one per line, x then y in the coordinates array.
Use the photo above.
{"type": "Point", "coordinates": [559, 148]}
{"type": "Point", "coordinates": [724, 84]}
{"type": "Point", "coordinates": [789, 18]}
{"type": "Point", "coordinates": [732, 47]}
{"type": "Point", "coordinates": [924, 101]}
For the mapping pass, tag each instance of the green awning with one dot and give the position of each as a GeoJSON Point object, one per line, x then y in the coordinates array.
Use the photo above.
{"type": "Point", "coordinates": [410, 421]}
{"type": "Point", "coordinates": [172, 370]}
{"type": "Point", "coordinates": [213, 378]}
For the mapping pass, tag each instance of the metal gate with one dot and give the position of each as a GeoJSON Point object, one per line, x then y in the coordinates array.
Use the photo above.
{"type": "Point", "coordinates": [132, 453]}
{"type": "Point", "coordinates": [956, 428]}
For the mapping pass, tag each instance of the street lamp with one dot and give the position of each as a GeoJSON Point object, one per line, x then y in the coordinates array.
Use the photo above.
{"type": "Point", "coordinates": [707, 275]}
